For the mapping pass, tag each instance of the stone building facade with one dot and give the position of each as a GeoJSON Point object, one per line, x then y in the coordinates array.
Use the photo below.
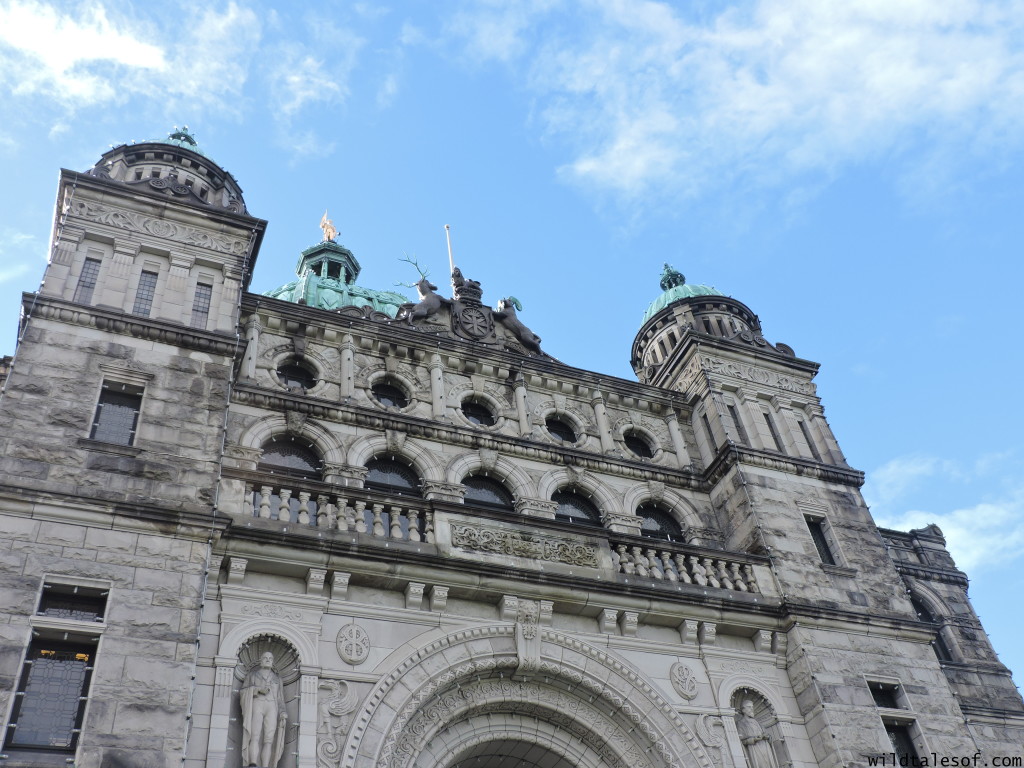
{"type": "Point", "coordinates": [458, 551]}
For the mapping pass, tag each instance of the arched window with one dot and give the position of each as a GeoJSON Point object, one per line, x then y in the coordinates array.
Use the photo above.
{"type": "Point", "coordinates": [942, 651]}
{"type": "Point", "coordinates": [487, 492]}
{"type": "Point", "coordinates": [296, 376]}
{"type": "Point", "coordinates": [392, 476]}
{"type": "Point", "coordinates": [574, 508]}
{"type": "Point", "coordinates": [291, 456]}
{"type": "Point", "coordinates": [658, 523]}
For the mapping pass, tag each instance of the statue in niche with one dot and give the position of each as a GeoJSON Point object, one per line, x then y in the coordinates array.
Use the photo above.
{"type": "Point", "coordinates": [264, 718]}
{"type": "Point", "coordinates": [757, 745]}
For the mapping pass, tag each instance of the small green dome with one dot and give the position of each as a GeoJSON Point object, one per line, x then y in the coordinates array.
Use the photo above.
{"type": "Point", "coordinates": [327, 274]}
{"type": "Point", "coordinates": [676, 289]}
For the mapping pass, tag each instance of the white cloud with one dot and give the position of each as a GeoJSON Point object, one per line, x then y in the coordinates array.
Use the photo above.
{"type": "Point", "coordinates": [98, 55]}
{"type": "Point", "coordinates": [779, 89]}
{"type": "Point", "coordinates": [984, 534]}
{"type": "Point", "coordinates": [387, 92]}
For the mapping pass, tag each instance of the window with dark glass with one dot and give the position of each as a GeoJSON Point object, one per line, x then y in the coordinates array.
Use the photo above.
{"type": "Point", "coordinates": [740, 429]}
{"type": "Point", "coordinates": [117, 414]}
{"type": "Point", "coordinates": [942, 651]}
{"type": "Point", "coordinates": [575, 508]}
{"type": "Point", "coordinates": [559, 430]}
{"type": "Point", "coordinates": [87, 281]}
{"type": "Point", "coordinates": [810, 440]}
{"type": "Point", "coordinates": [145, 293]}
{"type": "Point", "coordinates": [638, 446]}
{"type": "Point", "coordinates": [886, 695]}
{"type": "Point", "coordinates": [60, 601]}
{"type": "Point", "coordinates": [478, 413]}
{"type": "Point", "coordinates": [488, 492]}
{"type": "Point", "coordinates": [50, 701]}
{"type": "Point", "coordinates": [392, 476]}
{"type": "Point", "coordinates": [816, 525]}
{"type": "Point", "coordinates": [389, 394]}
{"type": "Point", "coordinates": [295, 376]}
{"type": "Point", "coordinates": [290, 457]}
{"type": "Point", "coordinates": [773, 430]}
{"type": "Point", "coordinates": [708, 432]}
{"type": "Point", "coordinates": [657, 523]}
{"type": "Point", "coordinates": [201, 305]}
{"type": "Point", "coordinates": [902, 744]}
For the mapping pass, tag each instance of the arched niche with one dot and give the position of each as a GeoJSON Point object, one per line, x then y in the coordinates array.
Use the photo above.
{"type": "Point", "coordinates": [767, 716]}
{"type": "Point", "coordinates": [286, 665]}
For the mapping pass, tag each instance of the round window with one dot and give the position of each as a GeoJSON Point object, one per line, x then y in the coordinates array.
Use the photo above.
{"type": "Point", "coordinates": [478, 413]}
{"type": "Point", "coordinates": [638, 446]}
{"type": "Point", "coordinates": [389, 395]}
{"type": "Point", "coordinates": [559, 430]}
{"type": "Point", "coordinates": [296, 376]}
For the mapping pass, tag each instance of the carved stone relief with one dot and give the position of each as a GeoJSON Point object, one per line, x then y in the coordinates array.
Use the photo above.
{"type": "Point", "coordinates": [497, 541]}
{"type": "Point", "coordinates": [684, 681]}
{"type": "Point", "coordinates": [353, 644]}
{"type": "Point", "coordinates": [161, 228]}
{"type": "Point", "coordinates": [336, 701]}
{"type": "Point", "coordinates": [758, 375]}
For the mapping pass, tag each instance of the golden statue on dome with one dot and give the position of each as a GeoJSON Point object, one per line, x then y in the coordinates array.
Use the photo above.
{"type": "Point", "coordinates": [330, 232]}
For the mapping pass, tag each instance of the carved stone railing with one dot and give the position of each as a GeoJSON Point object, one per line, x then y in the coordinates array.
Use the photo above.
{"type": "Point", "coordinates": [664, 561]}
{"type": "Point", "coordinates": [353, 510]}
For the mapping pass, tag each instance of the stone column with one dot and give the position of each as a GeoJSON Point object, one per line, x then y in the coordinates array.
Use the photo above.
{"type": "Point", "coordinates": [252, 348]}
{"type": "Point", "coordinates": [604, 427]}
{"type": "Point", "coordinates": [437, 386]}
{"type": "Point", "coordinates": [307, 721]}
{"type": "Point", "coordinates": [678, 444]}
{"type": "Point", "coordinates": [347, 366]}
{"type": "Point", "coordinates": [224, 678]}
{"type": "Point", "coordinates": [521, 409]}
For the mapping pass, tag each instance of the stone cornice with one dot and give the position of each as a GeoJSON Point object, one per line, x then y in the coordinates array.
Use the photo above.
{"type": "Point", "coordinates": [931, 573]}
{"type": "Point", "coordinates": [121, 324]}
{"type": "Point", "coordinates": [732, 455]}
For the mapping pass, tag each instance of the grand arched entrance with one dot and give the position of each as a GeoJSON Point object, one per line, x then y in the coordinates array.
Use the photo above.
{"type": "Point", "coordinates": [491, 698]}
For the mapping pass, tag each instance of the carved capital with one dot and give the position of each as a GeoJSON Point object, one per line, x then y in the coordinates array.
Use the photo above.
{"type": "Point", "coordinates": [436, 490]}
{"type": "Point", "coordinates": [536, 507]}
{"type": "Point", "coordinates": [622, 523]}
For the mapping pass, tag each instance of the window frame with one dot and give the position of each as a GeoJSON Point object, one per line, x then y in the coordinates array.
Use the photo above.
{"type": "Point", "coordinates": [145, 294]}
{"type": "Point", "coordinates": [79, 296]}
{"type": "Point", "coordinates": [108, 390]}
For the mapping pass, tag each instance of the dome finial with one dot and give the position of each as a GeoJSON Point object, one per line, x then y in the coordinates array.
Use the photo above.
{"type": "Point", "coordinates": [671, 277]}
{"type": "Point", "coordinates": [182, 136]}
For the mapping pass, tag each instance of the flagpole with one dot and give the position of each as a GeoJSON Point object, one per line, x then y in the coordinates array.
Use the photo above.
{"type": "Point", "coordinates": [448, 235]}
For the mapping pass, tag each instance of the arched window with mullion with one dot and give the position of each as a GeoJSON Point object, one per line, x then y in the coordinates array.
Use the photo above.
{"type": "Point", "coordinates": [658, 523]}
{"type": "Point", "coordinates": [390, 475]}
{"type": "Point", "coordinates": [574, 507]}
{"type": "Point", "coordinates": [487, 492]}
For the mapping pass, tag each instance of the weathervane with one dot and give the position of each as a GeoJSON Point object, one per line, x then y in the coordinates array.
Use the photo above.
{"type": "Point", "coordinates": [328, 228]}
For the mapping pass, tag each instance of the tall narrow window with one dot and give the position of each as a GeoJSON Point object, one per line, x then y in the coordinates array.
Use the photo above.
{"type": "Point", "coordinates": [810, 440]}
{"type": "Point", "coordinates": [816, 525]}
{"type": "Point", "coordinates": [740, 430]}
{"type": "Point", "coordinates": [117, 414]}
{"type": "Point", "coordinates": [144, 295]}
{"type": "Point", "coordinates": [87, 281]}
{"type": "Point", "coordinates": [772, 429]}
{"type": "Point", "coordinates": [710, 434]}
{"type": "Point", "coordinates": [902, 744]}
{"type": "Point", "coordinates": [201, 305]}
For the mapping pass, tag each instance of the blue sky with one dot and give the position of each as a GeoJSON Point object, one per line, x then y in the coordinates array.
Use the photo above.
{"type": "Point", "coordinates": [851, 171]}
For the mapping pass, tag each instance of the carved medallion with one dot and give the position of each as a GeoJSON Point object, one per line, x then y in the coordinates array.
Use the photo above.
{"type": "Point", "coordinates": [353, 644]}
{"type": "Point", "coordinates": [684, 681]}
{"type": "Point", "coordinates": [475, 323]}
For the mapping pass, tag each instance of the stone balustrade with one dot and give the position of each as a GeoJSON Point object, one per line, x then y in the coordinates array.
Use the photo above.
{"type": "Point", "coordinates": [407, 519]}
{"type": "Point", "coordinates": [661, 560]}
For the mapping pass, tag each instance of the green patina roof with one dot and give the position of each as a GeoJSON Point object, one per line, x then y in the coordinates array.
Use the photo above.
{"type": "Point", "coordinates": [676, 289]}
{"type": "Point", "coordinates": [327, 274]}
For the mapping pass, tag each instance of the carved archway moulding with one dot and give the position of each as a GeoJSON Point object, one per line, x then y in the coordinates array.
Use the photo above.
{"type": "Point", "coordinates": [443, 683]}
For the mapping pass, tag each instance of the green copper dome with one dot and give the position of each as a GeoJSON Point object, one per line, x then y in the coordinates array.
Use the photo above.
{"type": "Point", "coordinates": [676, 289]}
{"type": "Point", "coordinates": [327, 275]}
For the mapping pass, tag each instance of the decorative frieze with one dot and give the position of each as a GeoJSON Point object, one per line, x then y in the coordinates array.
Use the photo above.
{"type": "Point", "coordinates": [500, 541]}
{"type": "Point", "coordinates": [161, 228]}
{"type": "Point", "coordinates": [758, 375]}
